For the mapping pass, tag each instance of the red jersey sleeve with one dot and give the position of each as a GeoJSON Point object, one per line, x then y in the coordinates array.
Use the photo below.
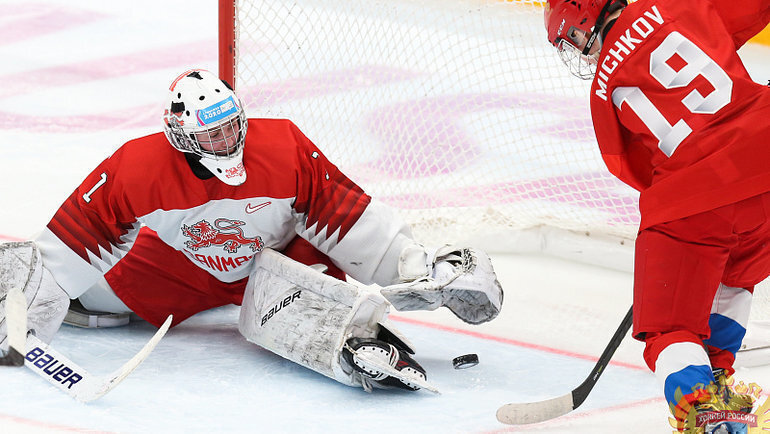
{"type": "Point", "coordinates": [93, 218]}
{"type": "Point", "coordinates": [745, 19]}
{"type": "Point", "coordinates": [361, 236]}
{"type": "Point", "coordinates": [90, 231]}
{"type": "Point", "coordinates": [330, 201]}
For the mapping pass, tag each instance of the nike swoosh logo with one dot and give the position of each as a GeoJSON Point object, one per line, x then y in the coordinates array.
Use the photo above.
{"type": "Point", "coordinates": [252, 209]}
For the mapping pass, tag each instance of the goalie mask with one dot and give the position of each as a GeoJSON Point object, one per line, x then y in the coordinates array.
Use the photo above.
{"type": "Point", "coordinates": [203, 116]}
{"type": "Point", "coordinates": [573, 27]}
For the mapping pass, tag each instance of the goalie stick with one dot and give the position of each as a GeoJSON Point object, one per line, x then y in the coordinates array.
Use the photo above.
{"type": "Point", "coordinates": [15, 320]}
{"type": "Point", "coordinates": [58, 369]}
{"type": "Point", "coordinates": [76, 381]}
{"type": "Point", "coordinates": [534, 412]}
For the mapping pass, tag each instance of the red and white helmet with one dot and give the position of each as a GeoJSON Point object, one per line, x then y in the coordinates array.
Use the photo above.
{"type": "Point", "coordinates": [203, 116]}
{"type": "Point", "coordinates": [573, 28]}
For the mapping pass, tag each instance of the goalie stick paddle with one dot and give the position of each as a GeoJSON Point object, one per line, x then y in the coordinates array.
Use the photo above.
{"type": "Point", "coordinates": [76, 381]}
{"type": "Point", "coordinates": [534, 412]}
{"type": "Point", "coordinates": [16, 322]}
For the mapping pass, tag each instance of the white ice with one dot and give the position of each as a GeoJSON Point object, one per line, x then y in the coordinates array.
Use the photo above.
{"type": "Point", "coordinates": [109, 63]}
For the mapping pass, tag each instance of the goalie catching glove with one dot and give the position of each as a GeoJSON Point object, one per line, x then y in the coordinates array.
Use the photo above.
{"type": "Point", "coordinates": [462, 279]}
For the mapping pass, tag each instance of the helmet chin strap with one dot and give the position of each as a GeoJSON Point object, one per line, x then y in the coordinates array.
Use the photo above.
{"type": "Point", "coordinates": [597, 27]}
{"type": "Point", "coordinates": [228, 170]}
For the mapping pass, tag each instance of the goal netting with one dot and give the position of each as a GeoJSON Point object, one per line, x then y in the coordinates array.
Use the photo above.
{"type": "Point", "coordinates": [458, 113]}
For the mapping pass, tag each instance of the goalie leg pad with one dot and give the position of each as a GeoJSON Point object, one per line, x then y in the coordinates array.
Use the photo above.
{"type": "Point", "coordinates": [306, 316]}
{"type": "Point", "coordinates": [21, 266]}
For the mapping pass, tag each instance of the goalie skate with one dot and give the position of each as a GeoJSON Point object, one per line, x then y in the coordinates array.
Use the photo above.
{"type": "Point", "coordinates": [382, 365]}
{"type": "Point", "coordinates": [79, 316]}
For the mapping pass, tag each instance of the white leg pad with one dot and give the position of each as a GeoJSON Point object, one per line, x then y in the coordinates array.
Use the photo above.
{"type": "Point", "coordinates": [306, 316]}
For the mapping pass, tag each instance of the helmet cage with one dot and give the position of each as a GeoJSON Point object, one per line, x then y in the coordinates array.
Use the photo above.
{"type": "Point", "coordinates": [207, 142]}
{"type": "Point", "coordinates": [580, 65]}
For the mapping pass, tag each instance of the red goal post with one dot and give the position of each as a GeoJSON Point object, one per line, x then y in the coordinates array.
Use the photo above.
{"type": "Point", "coordinates": [226, 40]}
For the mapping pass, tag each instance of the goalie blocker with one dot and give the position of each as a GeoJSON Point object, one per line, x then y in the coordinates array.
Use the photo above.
{"type": "Point", "coordinates": [327, 325]}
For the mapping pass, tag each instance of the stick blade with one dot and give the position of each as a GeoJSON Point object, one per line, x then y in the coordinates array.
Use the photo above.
{"type": "Point", "coordinates": [81, 385]}
{"type": "Point", "coordinates": [121, 373]}
{"type": "Point", "coordinates": [534, 412]}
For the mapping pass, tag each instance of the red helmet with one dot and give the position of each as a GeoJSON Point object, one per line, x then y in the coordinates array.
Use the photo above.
{"type": "Point", "coordinates": [572, 27]}
{"type": "Point", "coordinates": [563, 15]}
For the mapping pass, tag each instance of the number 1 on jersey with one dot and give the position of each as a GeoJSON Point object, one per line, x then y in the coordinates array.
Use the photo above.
{"type": "Point", "coordinates": [102, 181]}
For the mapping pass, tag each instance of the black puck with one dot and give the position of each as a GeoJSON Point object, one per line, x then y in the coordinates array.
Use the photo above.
{"type": "Point", "coordinates": [465, 361]}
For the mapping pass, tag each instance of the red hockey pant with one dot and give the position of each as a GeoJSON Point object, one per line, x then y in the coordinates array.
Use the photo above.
{"type": "Point", "coordinates": [155, 280]}
{"type": "Point", "coordinates": [680, 264]}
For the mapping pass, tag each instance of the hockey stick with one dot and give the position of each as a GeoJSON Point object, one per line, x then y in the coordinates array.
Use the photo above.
{"type": "Point", "coordinates": [534, 412]}
{"type": "Point", "coordinates": [16, 321]}
{"type": "Point", "coordinates": [76, 381]}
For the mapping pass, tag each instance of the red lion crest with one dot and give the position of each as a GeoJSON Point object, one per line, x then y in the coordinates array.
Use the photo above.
{"type": "Point", "coordinates": [203, 234]}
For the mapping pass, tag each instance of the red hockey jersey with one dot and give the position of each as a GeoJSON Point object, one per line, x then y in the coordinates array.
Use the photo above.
{"type": "Point", "coordinates": [290, 189]}
{"type": "Point", "coordinates": [675, 112]}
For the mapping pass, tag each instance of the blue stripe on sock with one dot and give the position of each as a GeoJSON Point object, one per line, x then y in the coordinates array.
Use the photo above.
{"type": "Point", "coordinates": [693, 376]}
{"type": "Point", "coordinates": [726, 334]}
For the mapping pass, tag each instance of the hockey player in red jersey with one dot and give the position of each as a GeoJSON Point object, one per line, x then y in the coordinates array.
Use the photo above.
{"type": "Point", "coordinates": [678, 118]}
{"type": "Point", "coordinates": [190, 219]}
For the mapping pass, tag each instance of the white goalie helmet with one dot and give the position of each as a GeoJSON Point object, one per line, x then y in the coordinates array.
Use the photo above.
{"type": "Point", "coordinates": [203, 116]}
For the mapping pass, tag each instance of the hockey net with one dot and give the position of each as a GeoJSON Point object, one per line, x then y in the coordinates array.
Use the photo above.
{"type": "Point", "coordinates": [458, 113]}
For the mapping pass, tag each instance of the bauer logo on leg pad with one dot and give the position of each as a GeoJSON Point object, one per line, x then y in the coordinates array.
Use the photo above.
{"type": "Point", "coordinates": [52, 367]}
{"type": "Point", "coordinates": [280, 305]}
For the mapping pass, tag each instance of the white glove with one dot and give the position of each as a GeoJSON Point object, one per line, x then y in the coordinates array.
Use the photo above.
{"type": "Point", "coordinates": [462, 279]}
{"type": "Point", "coordinates": [21, 267]}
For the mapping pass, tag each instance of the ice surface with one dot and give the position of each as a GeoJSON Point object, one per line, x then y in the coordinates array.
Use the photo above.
{"type": "Point", "coordinates": [205, 377]}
